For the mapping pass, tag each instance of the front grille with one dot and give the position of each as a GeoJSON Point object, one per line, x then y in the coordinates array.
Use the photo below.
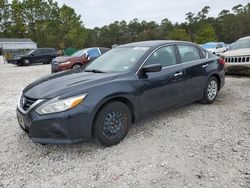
{"type": "Point", "coordinates": [241, 59]}
{"type": "Point", "coordinates": [27, 102]}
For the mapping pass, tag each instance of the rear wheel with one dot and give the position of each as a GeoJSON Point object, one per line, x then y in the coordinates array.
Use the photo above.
{"type": "Point", "coordinates": [211, 90]}
{"type": "Point", "coordinates": [112, 123]}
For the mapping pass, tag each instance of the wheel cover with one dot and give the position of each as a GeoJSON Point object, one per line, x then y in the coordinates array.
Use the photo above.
{"type": "Point", "coordinates": [212, 90]}
{"type": "Point", "coordinates": [76, 67]}
{"type": "Point", "coordinates": [26, 61]}
{"type": "Point", "coordinates": [114, 122]}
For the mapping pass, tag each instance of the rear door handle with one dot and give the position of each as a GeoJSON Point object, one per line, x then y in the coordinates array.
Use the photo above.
{"type": "Point", "coordinates": [178, 74]}
{"type": "Point", "coordinates": [205, 66]}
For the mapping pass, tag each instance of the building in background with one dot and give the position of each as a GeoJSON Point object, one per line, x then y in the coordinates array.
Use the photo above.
{"type": "Point", "coordinates": [16, 46]}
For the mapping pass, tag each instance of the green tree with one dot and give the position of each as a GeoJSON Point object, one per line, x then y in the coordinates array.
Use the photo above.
{"type": "Point", "coordinates": [179, 34]}
{"type": "Point", "coordinates": [206, 34]}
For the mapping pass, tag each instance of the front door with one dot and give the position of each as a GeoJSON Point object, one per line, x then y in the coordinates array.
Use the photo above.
{"type": "Point", "coordinates": [159, 90]}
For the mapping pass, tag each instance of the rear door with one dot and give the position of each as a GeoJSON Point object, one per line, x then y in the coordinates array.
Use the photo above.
{"type": "Point", "coordinates": [47, 55]}
{"type": "Point", "coordinates": [195, 66]}
{"type": "Point", "coordinates": [162, 89]}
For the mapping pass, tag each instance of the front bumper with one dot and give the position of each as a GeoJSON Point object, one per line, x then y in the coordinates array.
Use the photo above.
{"type": "Point", "coordinates": [57, 67]}
{"type": "Point", "coordinates": [237, 68]}
{"type": "Point", "coordinates": [67, 127]}
{"type": "Point", "coordinates": [14, 61]}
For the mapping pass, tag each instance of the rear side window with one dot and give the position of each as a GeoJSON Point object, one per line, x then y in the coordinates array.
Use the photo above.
{"type": "Point", "coordinates": [93, 52]}
{"type": "Point", "coordinates": [48, 51]}
{"type": "Point", "coordinates": [164, 56]}
{"type": "Point", "coordinates": [188, 53]}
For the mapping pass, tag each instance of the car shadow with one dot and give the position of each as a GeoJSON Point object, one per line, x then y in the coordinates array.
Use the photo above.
{"type": "Point", "coordinates": [144, 126]}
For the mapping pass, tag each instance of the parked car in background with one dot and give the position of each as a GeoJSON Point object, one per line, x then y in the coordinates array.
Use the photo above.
{"type": "Point", "coordinates": [39, 55]}
{"type": "Point", "coordinates": [120, 87]}
{"type": "Point", "coordinates": [237, 59]}
{"type": "Point", "coordinates": [216, 48]}
{"type": "Point", "coordinates": [78, 60]}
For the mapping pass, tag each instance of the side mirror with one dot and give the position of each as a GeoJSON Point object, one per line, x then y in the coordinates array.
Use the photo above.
{"type": "Point", "coordinates": [152, 68]}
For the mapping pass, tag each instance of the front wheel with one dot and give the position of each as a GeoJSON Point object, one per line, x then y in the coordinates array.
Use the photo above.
{"type": "Point", "coordinates": [26, 62]}
{"type": "Point", "coordinates": [77, 67]}
{"type": "Point", "coordinates": [211, 90]}
{"type": "Point", "coordinates": [112, 123]}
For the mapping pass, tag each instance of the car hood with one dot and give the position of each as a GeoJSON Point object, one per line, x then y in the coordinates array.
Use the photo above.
{"type": "Point", "coordinates": [62, 58]}
{"type": "Point", "coordinates": [239, 52]}
{"type": "Point", "coordinates": [63, 83]}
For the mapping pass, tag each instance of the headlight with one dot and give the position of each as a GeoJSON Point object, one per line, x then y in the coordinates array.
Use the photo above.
{"type": "Point", "coordinates": [55, 105]}
{"type": "Point", "coordinates": [19, 99]}
{"type": "Point", "coordinates": [66, 63]}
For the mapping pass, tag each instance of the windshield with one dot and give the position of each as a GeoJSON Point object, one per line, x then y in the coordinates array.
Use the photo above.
{"type": "Point", "coordinates": [118, 59]}
{"type": "Point", "coordinates": [30, 52]}
{"type": "Point", "coordinates": [239, 44]}
{"type": "Point", "coordinates": [79, 53]}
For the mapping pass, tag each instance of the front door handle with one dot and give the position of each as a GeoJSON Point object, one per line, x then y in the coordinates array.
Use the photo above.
{"type": "Point", "coordinates": [205, 66]}
{"type": "Point", "coordinates": [178, 74]}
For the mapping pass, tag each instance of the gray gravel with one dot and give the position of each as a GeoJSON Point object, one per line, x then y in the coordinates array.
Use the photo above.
{"type": "Point", "coordinates": [193, 146]}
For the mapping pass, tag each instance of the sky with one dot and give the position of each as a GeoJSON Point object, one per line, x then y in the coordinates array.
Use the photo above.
{"type": "Point", "coordinates": [97, 13]}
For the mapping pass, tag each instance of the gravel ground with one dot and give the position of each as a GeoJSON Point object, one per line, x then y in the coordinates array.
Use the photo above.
{"type": "Point", "coordinates": [193, 146]}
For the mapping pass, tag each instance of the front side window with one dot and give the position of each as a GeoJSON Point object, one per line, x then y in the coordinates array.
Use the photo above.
{"type": "Point", "coordinates": [219, 46]}
{"type": "Point", "coordinates": [37, 52]}
{"type": "Point", "coordinates": [164, 56]}
{"type": "Point", "coordinates": [188, 53]}
{"type": "Point", "coordinates": [93, 52]}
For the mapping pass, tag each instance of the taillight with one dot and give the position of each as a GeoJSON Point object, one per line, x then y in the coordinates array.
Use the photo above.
{"type": "Point", "coordinates": [221, 61]}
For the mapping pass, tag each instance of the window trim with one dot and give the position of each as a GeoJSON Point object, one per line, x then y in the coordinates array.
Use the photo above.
{"type": "Point", "coordinates": [178, 57]}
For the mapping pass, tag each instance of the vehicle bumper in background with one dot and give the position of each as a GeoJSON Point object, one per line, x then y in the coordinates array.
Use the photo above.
{"type": "Point", "coordinates": [237, 68]}
{"type": "Point", "coordinates": [56, 67]}
{"type": "Point", "coordinates": [13, 61]}
{"type": "Point", "coordinates": [68, 127]}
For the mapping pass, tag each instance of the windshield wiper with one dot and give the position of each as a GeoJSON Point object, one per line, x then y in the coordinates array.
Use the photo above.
{"type": "Point", "coordinates": [94, 71]}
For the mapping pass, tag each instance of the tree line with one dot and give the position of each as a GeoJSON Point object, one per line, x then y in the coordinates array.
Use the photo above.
{"type": "Point", "coordinates": [50, 25]}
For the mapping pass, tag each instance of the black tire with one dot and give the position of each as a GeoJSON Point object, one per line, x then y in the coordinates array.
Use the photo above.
{"type": "Point", "coordinates": [26, 62]}
{"type": "Point", "coordinates": [112, 123]}
{"type": "Point", "coordinates": [47, 62]}
{"type": "Point", "coordinates": [211, 90]}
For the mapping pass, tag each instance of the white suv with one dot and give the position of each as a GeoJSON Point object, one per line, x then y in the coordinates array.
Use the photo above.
{"type": "Point", "coordinates": [237, 59]}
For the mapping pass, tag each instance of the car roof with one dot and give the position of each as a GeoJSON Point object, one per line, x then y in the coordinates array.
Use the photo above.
{"type": "Point", "coordinates": [96, 48]}
{"type": "Point", "coordinates": [152, 43]}
{"type": "Point", "coordinates": [214, 43]}
{"type": "Point", "coordinates": [45, 49]}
